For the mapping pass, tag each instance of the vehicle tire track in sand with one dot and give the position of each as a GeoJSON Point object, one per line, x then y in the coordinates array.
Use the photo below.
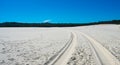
{"type": "Point", "coordinates": [64, 55]}
{"type": "Point", "coordinates": [104, 57]}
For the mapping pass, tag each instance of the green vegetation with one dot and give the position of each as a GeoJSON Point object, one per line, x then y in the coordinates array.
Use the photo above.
{"type": "Point", "coordinates": [16, 24]}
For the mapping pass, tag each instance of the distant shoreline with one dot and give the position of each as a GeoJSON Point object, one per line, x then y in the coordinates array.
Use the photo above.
{"type": "Point", "coordinates": [18, 24]}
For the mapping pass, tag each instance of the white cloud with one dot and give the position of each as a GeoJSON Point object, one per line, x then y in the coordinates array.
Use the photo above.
{"type": "Point", "coordinates": [46, 21]}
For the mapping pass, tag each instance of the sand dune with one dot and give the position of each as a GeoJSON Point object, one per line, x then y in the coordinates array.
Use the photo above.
{"type": "Point", "coordinates": [87, 45]}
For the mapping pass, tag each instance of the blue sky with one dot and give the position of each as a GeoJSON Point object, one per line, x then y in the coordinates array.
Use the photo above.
{"type": "Point", "coordinates": [59, 11]}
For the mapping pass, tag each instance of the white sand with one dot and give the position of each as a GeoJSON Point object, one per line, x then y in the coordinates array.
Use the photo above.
{"type": "Point", "coordinates": [96, 45]}
{"type": "Point", "coordinates": [103, 56]}
{"type": "Point", "coordinates": [33, 46]}
{"type": "Point", "coordinates": [107, 36]}
{"type": "Point", "coordinates": [67, 52]}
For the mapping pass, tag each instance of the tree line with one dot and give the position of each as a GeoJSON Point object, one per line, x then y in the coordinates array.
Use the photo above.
{"type": "Point", "coordinates": [18, 24]}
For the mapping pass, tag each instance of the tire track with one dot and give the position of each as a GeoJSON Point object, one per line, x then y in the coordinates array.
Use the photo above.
{"type": "Point", "coordinates": [103, 56]}
{"type": "Point", "coordinates": [63, 56]}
